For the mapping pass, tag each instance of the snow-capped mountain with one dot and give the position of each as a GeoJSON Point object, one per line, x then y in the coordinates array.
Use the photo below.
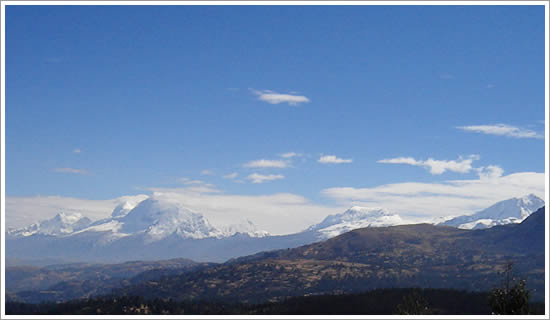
{"type": "Point", "coordinates": [61, 224]}
{"type": "Point", "coordinates": [513, 210]}
{"type": "Point", "coordinates": [244, 227]}
{"type": "Point", "coordinates": [354, 218]}
{"type": "Point", "coordinates": [159, 219]}
{"type": "Point", "coordinates": [157, 228]}
{"type": "Point", "coordinates": [152, 219]}
{"type": "Point", "coordinates": [155, 219]}
{"type": "Point", "coordinates": [123, 208]}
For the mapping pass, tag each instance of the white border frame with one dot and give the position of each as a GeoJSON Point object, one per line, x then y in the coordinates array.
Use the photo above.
{"type": "Point", "coordinates": [3, 4]}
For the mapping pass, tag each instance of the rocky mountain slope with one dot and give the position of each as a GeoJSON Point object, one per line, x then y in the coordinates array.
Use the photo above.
{"type": "Point", "coordinates": [420, 255]}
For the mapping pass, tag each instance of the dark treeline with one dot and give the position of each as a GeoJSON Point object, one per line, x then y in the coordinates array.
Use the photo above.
{"type": "Point", "coordinates": [375, 302]}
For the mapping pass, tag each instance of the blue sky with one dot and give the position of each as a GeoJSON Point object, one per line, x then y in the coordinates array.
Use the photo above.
{"type": "Point", "coordinates": [108, 101]}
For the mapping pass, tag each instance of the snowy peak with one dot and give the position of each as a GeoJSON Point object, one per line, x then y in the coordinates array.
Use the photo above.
{"type": "Point", "coordinates": [513, 210]}
{"type": "Point", "coordinates": [122, 209]}
{"type": "Point", "coordinates": [244, 227]}
{"type": "Point", "coordinates": [61, 224]}
{"type": "Point", "coordinates": [159, 219]}
{"type": "Point", "coordinates": [150, 220]}
{"type": "Point", "coordinates": [354, 218]}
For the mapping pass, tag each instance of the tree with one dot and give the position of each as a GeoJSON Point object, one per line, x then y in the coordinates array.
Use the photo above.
{"type": "Point", "coordinates": [413, 303]}
{"type": "Point", "coordinates": [512, 297]}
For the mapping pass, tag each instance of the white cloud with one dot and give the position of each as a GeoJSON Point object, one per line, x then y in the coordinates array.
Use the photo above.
{"type": "Point", "coordinates": [401, 160]}
{"type": "Point", "coordinates": [189, 181]}
{"type": "Point", "coordinates": [448, 198]}
{"type": "Point", "coordinates": [196, 184]}
{"type": "Point", "coordinates": [436, 166]}
{"type": "Point", "coordinates": [71, 170]}
{"type": "Point", "coordinates": [207, 172]}
{"type": "Point", "coordinates": [230, 175]}
{"type": "Point", "coordinates": [263, 163]}
{"type": "Point", "coordinates": [261, 178]}
{"type": "Point", "coordinates": [276, 98]}
{"type": "Point", "coordinates": [23, 211]}
{"type": "Point", "coordinates": [333, 159]}
{"type": "Point", "coordinates": [192, 189]}
{"type": "Point", "coordinates": [290, 155]}
{"type": "Point", "coordinates": [76, 151]}
{"type": "Point", "coordinates": [279, 213]}
{"type": "Point", "coordinates": [490, 172]}
{"type": "Point", "coordinates": [502, 130]}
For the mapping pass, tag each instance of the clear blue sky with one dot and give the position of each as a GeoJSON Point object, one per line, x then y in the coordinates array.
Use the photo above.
{"type": "Point", "coordinates": [151, 94]}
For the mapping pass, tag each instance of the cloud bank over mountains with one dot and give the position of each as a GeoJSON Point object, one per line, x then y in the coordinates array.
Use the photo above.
{"type": "Point", "coordinates": [281, 213]}
{"type": "Point", "coordinates": [423, 199]}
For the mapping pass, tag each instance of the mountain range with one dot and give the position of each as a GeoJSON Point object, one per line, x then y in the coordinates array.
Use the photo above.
{"type": "Point", "coordinates": [416, 255]}
{"type": "Point", "coordinates": [156, 229]}
{"type": "Point", "coordinates": [419, 255]}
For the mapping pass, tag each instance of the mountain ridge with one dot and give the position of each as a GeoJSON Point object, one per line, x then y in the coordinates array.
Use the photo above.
{"type": "Point", "coordinates": [418, 255]}
{"type": "Point", "coordinates": [152, 229]}
{"type": "Point", "coordinates": [513, 210]}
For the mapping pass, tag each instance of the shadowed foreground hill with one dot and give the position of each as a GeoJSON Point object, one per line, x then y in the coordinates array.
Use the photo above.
{"type": "Point", "coordinates": [79, 280]}
{"type": "Point", "coordinates": [419, 255]}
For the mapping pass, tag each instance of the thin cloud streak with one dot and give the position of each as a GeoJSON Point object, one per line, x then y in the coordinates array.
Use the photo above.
{"type": "Point", "coordinates": [503, 130]}
{"type": "Point", "coordinates": [71, 170]}
{"type": "Point", "coordinates": [230, 175]}
{"type": "Point", "coordinates": [264, 163]}
{"type": "Point", "coordinates": [261, 178]}
{"type": "Point", "coordinates": [333, 159]}
{"type": "Point", "coordinates": [197, 183]}
{"type": "Point", "coordinates": [277, 98]}
{"type": "Point", "coordinates": [436, 167]}
{"type": "Point", "coordinates": [289, 155]}
{"type": "Point", "coordinates": [207, 172]}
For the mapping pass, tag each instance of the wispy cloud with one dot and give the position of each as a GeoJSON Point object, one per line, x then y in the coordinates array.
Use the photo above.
{"type": "Point", "coordinates": [263, 163]}
{"type": "Point", "coordinates": [502, 130]}
{"type": "Point", "coordinates": [189, 181]}
{"type": "Point", "coordinates": [448, 198]}
{"type": "Point", "coordinates": [289, 155]}
{"type": "Point", "coordinates": [207, 172]}
{"type": "Point", "coordinates": [276, 98]}
{"type": "Point", "coordinates": [333, 159]}
{"type": "Point", "coordinates": [76, 151]}
{"type": "Point", "coordinates": [189, 189]}
{"type": "Point", "coordinates": [22, 211]}
{"type": "Point", "coordinates": [261, 178]}
{"type": "Point", "coordinates": [446, 76]}
{"type": "Point", "coordinates": [197, 184]}
{"type": "Point", "coordinates": [489, 172]}
{"type": "Point", "coordinates": [71, 170]}
{"type": "Point", "coordinates": [230, 175]}
{"type": "Point", "coordinates": [436, 166]}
